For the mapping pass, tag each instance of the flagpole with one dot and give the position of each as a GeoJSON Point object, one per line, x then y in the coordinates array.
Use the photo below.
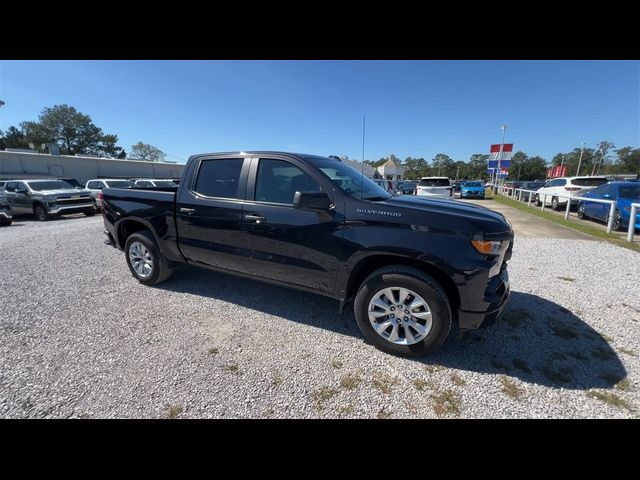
{"type": "Point", "coordinates": [495, 185]}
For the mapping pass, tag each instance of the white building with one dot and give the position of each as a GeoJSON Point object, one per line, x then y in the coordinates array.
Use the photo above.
{"type": "Point", "coordinates": [391, 170]}
{"type": "Point", "coordinates": [367, 170]}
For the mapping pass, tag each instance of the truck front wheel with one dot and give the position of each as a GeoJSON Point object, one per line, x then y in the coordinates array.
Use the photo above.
{"type": "Point", "coordinates": [145, 261]}
{"type": "Point", "coordinates": [403, 311]}
{"type": "Point", "coordinates": [40, 212]}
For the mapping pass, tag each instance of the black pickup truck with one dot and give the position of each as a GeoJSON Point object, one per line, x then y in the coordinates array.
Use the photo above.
{"type": "Point", "coordinates": [412, 265]}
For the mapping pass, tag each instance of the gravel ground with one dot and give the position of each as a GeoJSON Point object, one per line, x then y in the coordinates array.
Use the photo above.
{"type": "Point", "coordinates": [81, 338]}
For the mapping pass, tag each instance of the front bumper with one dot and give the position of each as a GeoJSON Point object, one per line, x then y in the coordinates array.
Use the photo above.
{"type": "Point", "coordinates": [5, 215]}
{"type": "Point", "coordinates": [496, 297]}
{"type": "Point", "coordinates": [76, 208]}
{"type": "Point", "coordinates": [472, 194]}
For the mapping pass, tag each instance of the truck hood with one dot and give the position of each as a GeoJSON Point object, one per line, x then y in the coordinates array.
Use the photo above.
{"type": "Point", "coordinates": [65, 191]}
{"type": "Point", "coordinates": [482, 217]}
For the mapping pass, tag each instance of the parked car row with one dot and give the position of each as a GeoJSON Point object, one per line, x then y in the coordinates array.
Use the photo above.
{"type": "Point", "coordinates": [624, 193]}
{"type": "Point", "coordinates": [45, 198]}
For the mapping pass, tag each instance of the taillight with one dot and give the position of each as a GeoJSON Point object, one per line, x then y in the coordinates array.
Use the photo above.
{"type": "Point", "coordinates": [100, 196]}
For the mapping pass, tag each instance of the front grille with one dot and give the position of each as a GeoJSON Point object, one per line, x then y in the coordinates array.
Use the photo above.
{"type": "Point", "coordinates": [72, 201]}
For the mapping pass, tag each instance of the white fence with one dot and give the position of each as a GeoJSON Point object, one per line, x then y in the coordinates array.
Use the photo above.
{"type": "Point", "coordinates": [516, 193]}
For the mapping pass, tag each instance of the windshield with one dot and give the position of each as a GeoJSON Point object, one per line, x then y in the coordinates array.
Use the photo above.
{"type": "Point", "coordinates": [349, 179]}
{"type": "Point", "coordinates": [52, 185]}
{"type": "Point", "coordinates": [119, 184]}
{"type": "Point", "coordinates": [164, 183]}
{"type": "Point", "coordinates": [434, 182]}
{"type": "Point", "coordinates": [472, 184]}
{"type": "Point", "coordinates": [630, 192]}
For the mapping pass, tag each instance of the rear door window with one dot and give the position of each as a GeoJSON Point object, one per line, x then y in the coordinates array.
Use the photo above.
{"type": "Point", "coordinates": [219, 177]}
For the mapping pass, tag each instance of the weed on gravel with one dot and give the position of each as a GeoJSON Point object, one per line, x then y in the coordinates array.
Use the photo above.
{"type": "Point", "coordinates": [610, 399]}
{"type": "Point", "coordinates": [509, 388]}
{"type": "Point", "coordinates": [446, 402]}
{"type": "Point", "coordinates": [174, 410]}
{"type": "Point", "coordinates": [350, 381]}
{"type": "Point", "coordinates": [321, 396]}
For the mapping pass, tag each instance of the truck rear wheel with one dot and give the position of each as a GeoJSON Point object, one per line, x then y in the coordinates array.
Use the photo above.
{"type": "Point", "coordinates": [145, 261]}
{"type": "Point", "coordinates": [402, 310]}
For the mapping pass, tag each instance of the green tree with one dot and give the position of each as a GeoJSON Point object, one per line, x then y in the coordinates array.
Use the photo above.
{"type": "Point", "coordinates": [443, 165]}
{"type": "Point", "coordinates": [149, 153]}
{"type": "Point", "coordinates": [517, 161]}
{"type": "Point", "coordinates": [628, 160]}
{"type": "Point", "coordinates": [13, 138]}
{"type": "Point", "coordinates": [415, 168]}
{"type": "Point", "coordinates": [72, 131]}
{"type": "Point", "coordinates": [478, 166]}
{"type": "Point", "coordinates": [534, 168]}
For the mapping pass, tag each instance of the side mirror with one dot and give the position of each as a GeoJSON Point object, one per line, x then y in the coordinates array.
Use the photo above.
{"type": "Point", "coordinates": [311, 201]}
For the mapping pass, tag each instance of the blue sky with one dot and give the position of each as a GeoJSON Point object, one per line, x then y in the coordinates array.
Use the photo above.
{"type": "Point", "coordinates": [413, 108]}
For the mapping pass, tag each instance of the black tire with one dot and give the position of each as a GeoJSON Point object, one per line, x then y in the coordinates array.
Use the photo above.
{"type": "Point", "coordinates": [89, 212]}
{"type": "Point", "coordinates": [617, 221]}
{"type": "Point", "coordinates": [555, 203]}
{"type": "Point", "coordinates": [40, 212]}
{"type": "Point", "coordinates": [161, 270]}
{"type": "Point", "coordinates": [581, 213]}
{"type": "Point", "coordinates": [536, 199]}
{"type": "Point", "coordinates": [422, 284]}
{"type": "Point", "coordinates": [5, 222]}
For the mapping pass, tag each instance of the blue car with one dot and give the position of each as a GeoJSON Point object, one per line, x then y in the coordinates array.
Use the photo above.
{"type": "Point", "coordinates": [624, 193]}
{"type": "Point", "coordinates": [474, 189]}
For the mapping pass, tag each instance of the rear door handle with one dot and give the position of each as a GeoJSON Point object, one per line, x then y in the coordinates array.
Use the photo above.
{"type": "Point", "coordinates": [188, 211]}
{"type": "Point", "coordinates": [254, 218]}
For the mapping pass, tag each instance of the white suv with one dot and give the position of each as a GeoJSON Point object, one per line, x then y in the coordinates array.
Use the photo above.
{"type": "Point", "coordinates": [97, 184]}
{"type": "Point", "coordinates": [435, 187]}
{"type": "Point", "coordinates": [565, 186]}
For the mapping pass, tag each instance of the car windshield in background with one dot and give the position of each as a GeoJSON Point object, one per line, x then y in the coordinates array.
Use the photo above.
{"type": "Point", "coordinates": [589, 182]}
{"type": "Point", "coordinates": [53, 185]}
{"type": "Point", "coordinates": [434, 182]}
{"type": "Point", "coordinates": [472, 184]}
{"type": "Point", "coordinates": [349, 179]}
{"type": "Point", "coordinates": [164, 183]}
{"type": "Point", "coordinates": [630, 192]}
{"type": "Point", "coordinates": [119, 184]}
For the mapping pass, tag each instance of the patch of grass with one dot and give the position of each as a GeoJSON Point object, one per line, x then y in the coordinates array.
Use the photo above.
{"type": "Point", "coordinates": [577, 225]}
{"type": "Point", "coordinates": [565, 332]}
{"type": "Point", "coordinates": [276, 380]}
{"type": "Point", "coordinates": [337, 364]}
{"type": "Point", "coordinates": [345, 409]}
{"type": "Point", "coordinates": [420, 384]}
{"type": "Point", "coordinates": [412, 407]}
{"type": "Point", "coordinates": [500, 365]}
{"type": "Point", "coordinates": [268, 412]}
{"type": "Point", "coordinates": [446, 403]}
{"type": "Point", "coordinates": [623, 385]}
{"type": "Point", "coordinates": [213, 351]}
{"type": "Point", "coordinates": [509, 388]}
{"type": "Point", "coordinates": [319, 397]}
{"type": "Point", "coordinates": [567, 279]}
{"type": "Point", "coordinates": [627, 352]}
{"type": "Point", "coordinates": [516, 317]}
{"type": "Point", "coordinates": [557, 374]}
{"type": "Point", "coordinates": [231, 367]}
{"type": "Point", "coordinates": [384, 382]}
{"type": "Point", "coordinates": [458, 380]}
{"type": "Point", "coordinates": [174, 410]}
{"type": "Point", "coordinates": [610, 399]}
{"type": "Point", "coordinates": [431, 368]}
{"type": "Point", "coordinates": [521, 365]}
{"type": "Point", "coordinates": [603, 354]}
{"type": "Point", "coordinates": [383, 414]}
{"type": "Point", "coordinates": [350, 381]}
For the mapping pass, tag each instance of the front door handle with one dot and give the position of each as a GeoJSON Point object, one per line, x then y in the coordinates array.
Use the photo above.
{"type": "Point", "coordinates": [188, 211]}
{"type": "Point", "coordinates": [252, 217]}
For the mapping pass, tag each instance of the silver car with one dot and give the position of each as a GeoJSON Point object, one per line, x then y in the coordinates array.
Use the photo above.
{"type": "Point", "coordinates": [96, 185]}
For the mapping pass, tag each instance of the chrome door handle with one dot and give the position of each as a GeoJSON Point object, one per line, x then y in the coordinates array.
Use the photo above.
{"type": "Point", "coordinates": [254, 218]}
{"type": "Point", "coordinates": [188, 211]}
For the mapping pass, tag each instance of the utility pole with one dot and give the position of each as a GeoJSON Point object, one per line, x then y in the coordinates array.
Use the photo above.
{"type": "Point", "coordinates": [580, 161]}
{"type": "Point", "coordinates": [562, 163]}
{"type": "Point", "coordinates": [495, 184]}
{"type": "Point", "coordinates": [457, 173]}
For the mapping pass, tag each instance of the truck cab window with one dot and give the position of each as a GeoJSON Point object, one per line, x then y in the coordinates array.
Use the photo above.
{"type": "Point", "coordinates": [219, 177]}
{"type": "Point", "coordinates": [278, 180]}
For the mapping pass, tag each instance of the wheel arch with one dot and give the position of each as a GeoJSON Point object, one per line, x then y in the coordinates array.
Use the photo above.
{"type": "Point", "coordinates": [367, 265]}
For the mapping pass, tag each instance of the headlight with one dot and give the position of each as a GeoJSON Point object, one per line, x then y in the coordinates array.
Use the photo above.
{"type": "Point", "coordinates": [50, 198]}
{"type": "Point", "coordinates": [487, 247]}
